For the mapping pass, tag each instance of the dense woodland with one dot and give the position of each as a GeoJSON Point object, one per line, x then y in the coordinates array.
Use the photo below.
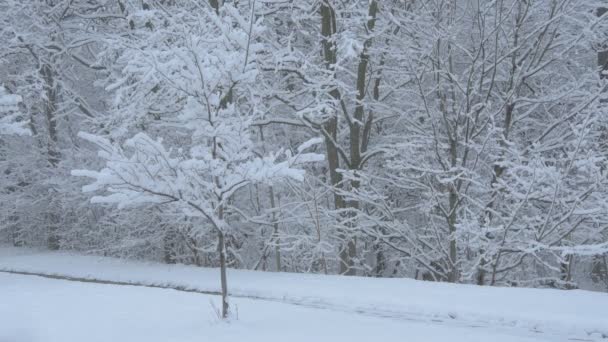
{"type": "Point", "coordinates": [444, 140]}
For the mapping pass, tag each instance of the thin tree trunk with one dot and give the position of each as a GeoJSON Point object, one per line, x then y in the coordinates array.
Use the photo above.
{"type": "Point", "coordinates": [277, 248]}
{"type": "Point", "coordinates": [224, 279]}
{"type": "Point", "coordinates": [453, 275]}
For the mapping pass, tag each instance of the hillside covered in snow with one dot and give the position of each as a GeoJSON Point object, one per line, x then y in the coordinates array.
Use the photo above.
{"type": "Point", "coordinates": [269, 305]}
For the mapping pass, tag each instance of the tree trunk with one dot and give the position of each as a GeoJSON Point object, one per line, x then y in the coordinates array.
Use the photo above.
{"type": "Point", "coordinates": [53, 155]}
{"type": "Point", "coordinates": [328, 29]}
{"type": "Point", "coordinates": [481, 273]}
{"type": "Point", "coordinates": [224, 279]}
{"type": "Point", "coordinates": [169, 245]}
{"type": "Point", "coordinates": [453, 275]}
{"type": "Point", "coordinates": [50, 108]}
{"type": "Point", "coordinates": [358, 137]}
{"type": "Point", "coordinates": [565, 268]}
{"type": "Point", "coordinates": [602, 56]}
{"type": "Point", "coordinates": [275, 224]}
{"type": "Point", "coordinates": [221, 245]}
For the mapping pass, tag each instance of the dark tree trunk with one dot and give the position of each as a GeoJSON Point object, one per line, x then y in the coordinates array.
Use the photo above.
{"type": "Point", "coordinates": [358, 135]}
{"type": "Point", "coordinates": [224, 279]}
{"type": "Point", "coordinates": [53, 155]}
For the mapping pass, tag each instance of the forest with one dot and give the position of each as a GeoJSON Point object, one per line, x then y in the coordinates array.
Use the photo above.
{"type": "Point", "coordinates": [440, 140]}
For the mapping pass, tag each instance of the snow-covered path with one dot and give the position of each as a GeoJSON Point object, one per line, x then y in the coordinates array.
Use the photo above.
{"type": "Point", "coordinates": [38, 309]}
{"type": "Point", "coordinates": [358, 308]}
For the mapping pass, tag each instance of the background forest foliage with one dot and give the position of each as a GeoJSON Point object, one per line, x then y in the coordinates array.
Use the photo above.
{"type": "Point", "coordinates": [445, 140]}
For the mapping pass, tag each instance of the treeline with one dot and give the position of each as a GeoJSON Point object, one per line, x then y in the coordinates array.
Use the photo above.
{"type": "Point", "coordinates": [458, 141]}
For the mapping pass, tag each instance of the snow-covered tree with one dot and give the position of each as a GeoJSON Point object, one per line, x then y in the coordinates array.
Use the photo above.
{"type": "Point", "coordinates": [197, 73]}
{"type": "Point", "coordinates": [499, 138]}
{"type": "Point", "coordinates": [464, 141]}
{"type": "Point", "coordinates": [44, 46]}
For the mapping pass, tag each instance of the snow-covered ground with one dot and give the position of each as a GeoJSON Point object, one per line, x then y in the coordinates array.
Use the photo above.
{"type": "Point", "coordinates": [36, 309]}
{"type": "Point", "coordinates": [274, 307]}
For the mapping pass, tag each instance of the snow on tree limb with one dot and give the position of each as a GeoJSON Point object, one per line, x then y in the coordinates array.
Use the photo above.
{"type": "Point", "coordinates": [9, 113]}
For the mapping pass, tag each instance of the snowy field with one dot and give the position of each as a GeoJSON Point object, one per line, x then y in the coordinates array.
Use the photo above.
{"type": "Point", "coordinates": [37, 309]}
{"type": "Point", "coordinates": [274, 307]}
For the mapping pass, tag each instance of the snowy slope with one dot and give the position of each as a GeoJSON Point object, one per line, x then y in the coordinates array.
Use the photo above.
{"type": "Point", "coordinates": [41, 310]}
{"type": "Point", "coordinates": [567, 314]}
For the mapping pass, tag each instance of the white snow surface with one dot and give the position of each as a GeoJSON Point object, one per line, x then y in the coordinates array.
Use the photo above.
{"type": "Point", "coordinates": [41, 310]}
{"type": "Point", "coordinates": [274, 306]}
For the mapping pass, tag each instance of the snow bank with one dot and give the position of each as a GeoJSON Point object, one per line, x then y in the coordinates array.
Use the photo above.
{"type": "Point", "coordinates": [574, 313]}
